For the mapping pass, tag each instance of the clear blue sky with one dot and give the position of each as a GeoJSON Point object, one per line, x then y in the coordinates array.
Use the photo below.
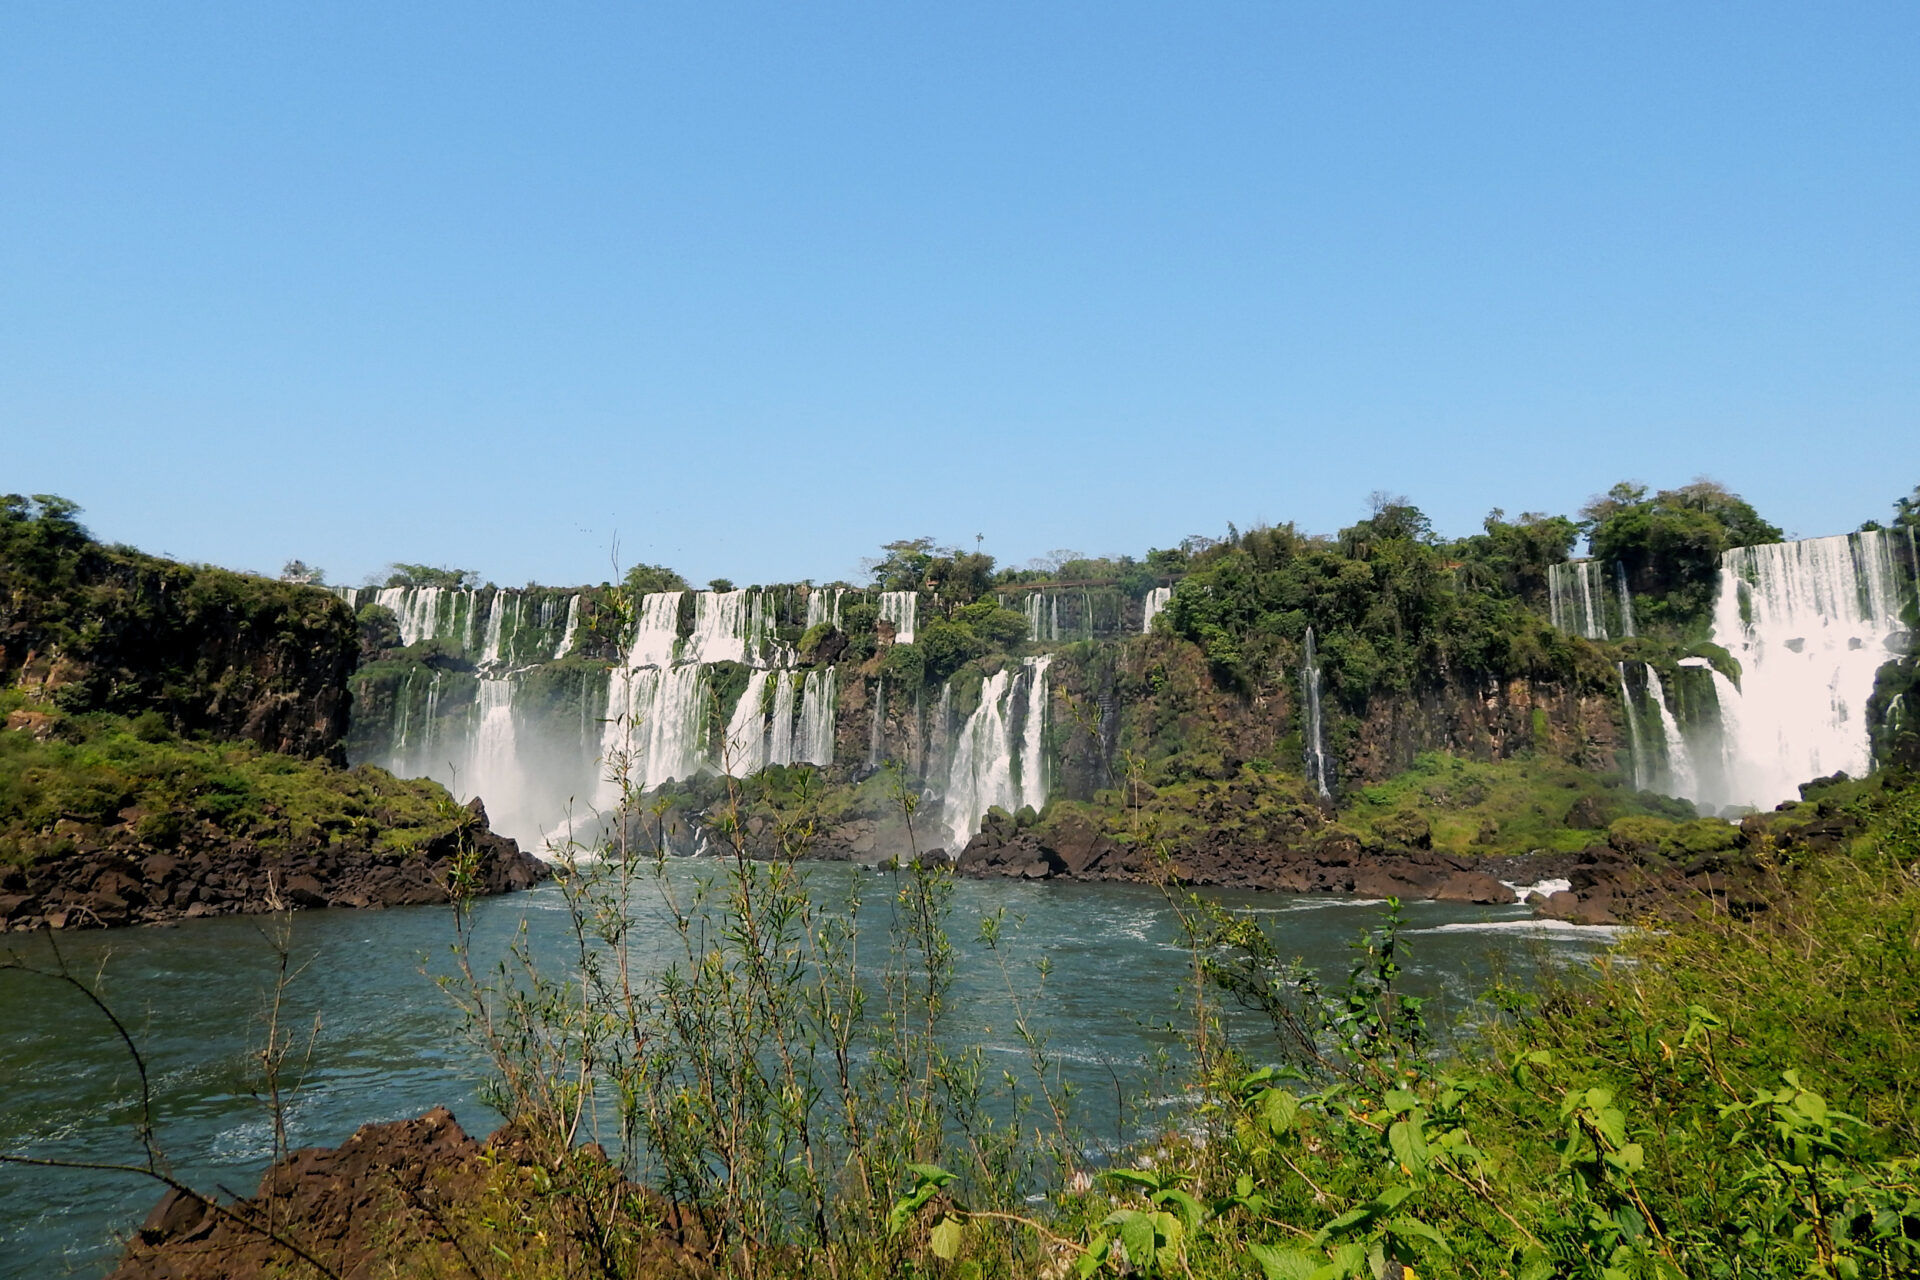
{"type": "Point", "coordinates": [762, 286]}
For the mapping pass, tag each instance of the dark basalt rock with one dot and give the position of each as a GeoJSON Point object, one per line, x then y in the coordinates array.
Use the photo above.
{"type": "Point", "coordinates": [102, 885]}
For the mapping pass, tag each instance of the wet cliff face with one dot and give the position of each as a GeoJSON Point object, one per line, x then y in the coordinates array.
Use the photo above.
{"type": "Point", "coordinates": [99, 628]}
{"type": "Point", "coordinates": [1154, 704]}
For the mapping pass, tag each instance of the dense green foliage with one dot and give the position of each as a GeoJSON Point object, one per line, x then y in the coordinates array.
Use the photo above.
{"type": "Point", "coordinates": [64, 777]}
{"type": "Point", "coordinates": [1670, 545]}
{"type": "Point", "coordinates": [1392, 609]}
{"type": "Point", "coordinates": [426, 575]}
{"type": "Point", "coordinates": [97, 627]}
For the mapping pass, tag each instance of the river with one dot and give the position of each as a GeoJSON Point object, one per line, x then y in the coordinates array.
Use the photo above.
{"type": "Point", "coordinates": [390, 1043]}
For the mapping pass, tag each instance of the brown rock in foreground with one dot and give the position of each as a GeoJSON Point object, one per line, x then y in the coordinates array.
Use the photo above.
{"type": "Point", "coordinates": [408, 1197]}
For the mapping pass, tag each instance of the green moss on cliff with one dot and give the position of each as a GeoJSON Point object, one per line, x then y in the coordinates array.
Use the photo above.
{"type": "Point", "coordinates": [107, 628]}
{"type": "Point", "coordinates": [65, 779]}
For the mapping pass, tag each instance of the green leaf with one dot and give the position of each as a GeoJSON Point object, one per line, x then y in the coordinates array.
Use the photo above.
{"type": "Point", "coordinates": [945, 1240]}
{"type": "Point", "coordinates": [1095, 1255]}
{"type": "Point", "coordinates": [1284, 1264]}
{"type": "Point", "coordinates": [1414, 1229]}
{"type": "Point", "coordinates": [1398, 1100]}
{"type": "Point", "coordinates": [1133, 1178]}
{"type": "Point", "coordinates": [1811, 1105]}
{"type": "Point", "coordinates": [1136, 1233]}
{"type": "Point", "coordinates": [931, 1173]}
{"type": "Point", "coordinates": [1191, 1211]}
{"type": "Point", "coordinates": [1279, 1109]}
{"type": "Point", "coordinates": [1408, 1143]}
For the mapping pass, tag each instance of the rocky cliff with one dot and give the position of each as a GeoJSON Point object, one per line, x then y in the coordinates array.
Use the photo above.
{"type": "Point", "coordinates": [92, 627]}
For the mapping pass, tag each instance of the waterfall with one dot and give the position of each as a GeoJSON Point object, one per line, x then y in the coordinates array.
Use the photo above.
{"type": "Point", "coordinates": [877, 722]}
{"type": "Point", "coordinates": [655, 718]}
{"type": "Point", "coordinates": [656, 631]}
{"type": "Point", "coordinates": [780, 740]}
{"type": "Point", "coordinates": [901, 608]}
{"type": "Point", "coordinates": [494, 769]}
{"type": "Point", "coordinates": [565, 646]}
{"type": "Point", "coordinates": [1580, 605]}
{"type": "Point", "coordinates": [418, 611]}
{"type": "Point", "coordinates": [1315, 726]}
{"type": "Point", "coordinates": [1037, 618]}
{"type": "Point", "coordinates": [746, 741]}
{"type": "Point", "coordinates": [1680, 779]}
{"type": "Point", "coordinates": [719, 627]}
{"type": "Point", "coordinates": [490, 650]}
{"type": "Point", "coordinates": [1033, 751]}
{"type": "Point", "coordinates": [823, 606]}
{"type": "Point", "coordinates": [986, 772]}
{"type": "Point", "coordinates": [818, 703]}
{"type": "Point", "coordinates": [1156, 601]}
{"type": "Point", "coordinates": [1810, 624]}
{"type": "Point", "coordinates": [1637, 750]}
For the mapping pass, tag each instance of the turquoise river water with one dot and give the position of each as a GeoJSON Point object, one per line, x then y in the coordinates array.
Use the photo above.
{"type": "Point", "coordinates": [390, 1043]}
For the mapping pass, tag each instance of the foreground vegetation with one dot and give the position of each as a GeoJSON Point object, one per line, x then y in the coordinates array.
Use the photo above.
{"type": "Point", "coordinates": [1725, 1097]}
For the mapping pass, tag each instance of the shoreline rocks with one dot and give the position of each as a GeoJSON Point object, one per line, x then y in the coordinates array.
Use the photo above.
{"type": "Point", "coordinates": [114, 881]}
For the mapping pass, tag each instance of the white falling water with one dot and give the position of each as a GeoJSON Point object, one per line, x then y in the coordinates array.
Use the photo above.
{"type": "Point", "coordinates": [1636, 745]}
{"type": "Point", "coordinates": [1033, 750]}
{"type": "Point", "coordinates": [565, 646]}
{"type": "Point", "coordinates": [1583, 603]}
{"type": "Point", "coordinates": [424, 613]}
{"type": "Point", "coordinates": [1042, 625]}
{"type": "Point", "coordinates": [494, 768]}
{"type": "Point", "coordinates": [746, 742]}
{"type": "Point", "coordinates": [1680, 779]}
{"type": "Point", "coordinates": [983, 773]}
{"type": "Point", "coordinates": [719, 627]}
{"type": "Point", "coordinates": [780, 733]}
{"type": "Point", "coordinates": [877, 722]}
{"type": "Point", "coordinates": [902, 609]}
{"type": "Point", "coordinates": [1316, 744]}
{"type": "Point", "coordinates": [818, 702]}
{"type": "Point", "coordinates": [496, 615]}
{"type": "Point", "coordinates": [823, 606]}
{"type": "Point", "coordinates": [1810, 623]}
{"type": "Point", "coordinates": [654, 721]}
{"type": "Point", "coordinates": [656, 631]}
{"type": "Point", "coordinates": [1156, 601]}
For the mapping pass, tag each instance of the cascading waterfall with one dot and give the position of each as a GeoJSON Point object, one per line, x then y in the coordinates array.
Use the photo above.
{"type": "Point", "coordinates": [988, 768]}
{"type": "Point", "coordinates": [780, 735]}
{"type": "Point", "coordinates": [565, 646]}
{"type": "Point", "coordinates": [1637, 748]}
{"type": "Point", "coordinates": [1150, 609]}
{"type": "Point", "coordinates": [1316, 730]}
{"type": "Point", "coordinates": [902, 609]}
{"type": "Point", "coordinates": [1041, 627]}
{"type": "Point", "coordinates": [746, 742]}
{"type": "Point", "coordinates": [719, 627]}
{"type": "Point", "coordinates": [818, 703]}
{"type": "Point", "coordinates": [657, 631]}
{"type": "Point", "coordinates": [494, 767]}
{"type": "Point", "coordinates": [823, 606]}
{"type": "Point", "coordinates": [1680, 780]}
{"type": "Point", "coordinates": [1810, 624]}
{"type": "Point", "coordinates": [1582, 603]}
{"type": "Point", "coordinates": [496, 615]}
{"type": "Point", "coordinates": [877, 722]}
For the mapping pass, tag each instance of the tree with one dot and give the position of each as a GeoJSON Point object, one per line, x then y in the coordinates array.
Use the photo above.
{"type": "Point", "coordinates": [645, 579]}
{"type": "Point", "coordinates": [302, 572]}
{"type": "Point", "coordinates": [426, 575]}
{"type": "Point", "coordinates": [904, 566]}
